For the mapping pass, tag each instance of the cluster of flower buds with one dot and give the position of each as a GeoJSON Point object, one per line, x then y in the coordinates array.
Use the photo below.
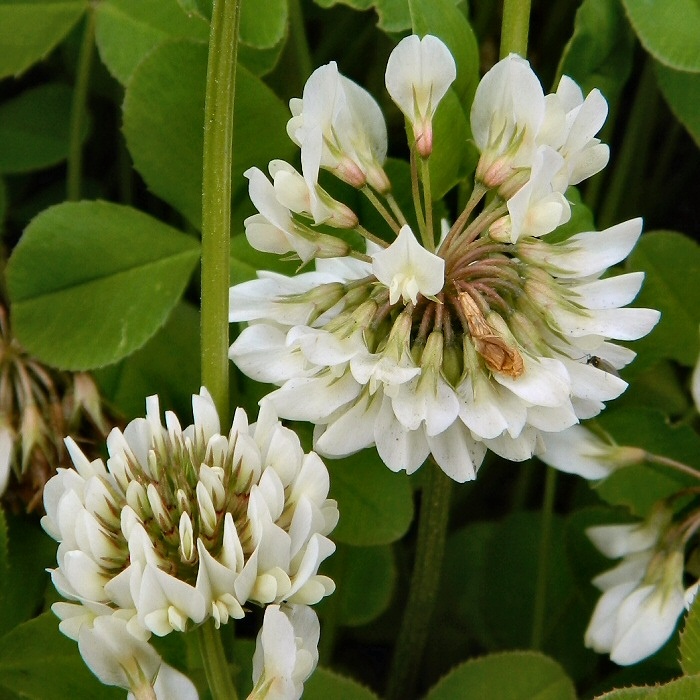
{"type": "Point", "coordinates": [643, 596]}
{"type": "Point", "coordinates": [479, 336]}
{"type": "Point", "coordinates": [185, 525]}
{"type": "Point", "coordinates": [38, 407]}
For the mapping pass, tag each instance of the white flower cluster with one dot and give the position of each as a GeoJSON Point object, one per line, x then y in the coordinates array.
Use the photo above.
{"type": "Point", "coordinates": [181, 526]}
{"type": "Point", "coordinates": [643, 596]}
{"type": "Point", "coordinates": [481, 341]}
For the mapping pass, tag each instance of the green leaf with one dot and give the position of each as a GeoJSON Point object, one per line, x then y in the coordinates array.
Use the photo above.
{"type": "Point", "coordinates": [30, 552]}
{"type": "Point", "coordinates": [34, 128]}
{"type": "Point", "coordinates": [677, 296]}
{"type": "Point", "coordinates": [638, 487]}
{"type": "Point", "coordinates": [38, 662]}
{"type": "Point", "coordinates": [365, 578]}
{"type": "Point", "coordinates": [263, 24]}
{"type": "Point", "coordinates": [90, 282]}
{"type": "Point", "coordinates": [127, 30]}
{"type": "Point", "coordinates": [442, 19]}
{"type": "Point", "coordinates": [682, 92]}
{"type": "Point", "coordinates": [680, 689]}
{"type": "Point", "coordinates": [452, 155]}
{"type": "Point", "coordinates": [168, 365]}
{"type": "Point", "coordinates": [325, 684]}
{"type": "Point", "coordinates": [163, 129]}
{"type": "Point", "coordinates": [199, 8]}
{"type": "Point", "coordinates": [599, 54]}
{"type": "Point", "coordinates": [690, 642]}
{"type": "Point", "coordinates": [376, 505]}
{"type": "Point", "coordinates": [29, 29]}
{"type": "Point", "coordinates": [668, 30]}
{"type": "Point", "coordinates": [515, 675]}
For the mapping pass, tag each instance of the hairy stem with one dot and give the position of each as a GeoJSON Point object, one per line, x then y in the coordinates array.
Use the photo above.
{"type": "Point", "coordinates": [515, 27]}
{"type": "Point", "coordinates": [430, 548]}
{"type": "Point", "coordinates": [543, 558]}
{"type": "Point", "coordinates": [214, 660]}
{"type": "Point", "coordinates": [216, 198]}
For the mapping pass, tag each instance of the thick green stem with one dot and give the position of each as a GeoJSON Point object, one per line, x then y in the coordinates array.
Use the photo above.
{"type": "Point", "coordinates": [515, 27]}
{"type": "Point", "coordinates": [297, 37]}
{"type": "Point", "coordinates": [430, 548]}
{"type": "Point", "coordinates": [216, 198]}
{"type": "Point", "coordinates": [78, 113]}
{"type": "Point", "coordinates": [214, 659]}
{"type": "Point", "coordinates": [543, 559]}
{"type": "Point", "coordinates": [637, 129]}
{"type": "Point", "coordinates": [216, 245]}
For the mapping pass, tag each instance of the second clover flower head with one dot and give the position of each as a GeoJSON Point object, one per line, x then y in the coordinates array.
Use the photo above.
{"type": "Point", "coordinates": [184, 525]}
{"type": "Point", "coordinates": [478, 340]}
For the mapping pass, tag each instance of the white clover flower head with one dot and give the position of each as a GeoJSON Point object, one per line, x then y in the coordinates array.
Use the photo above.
{"type": "Point", "coordinates": [340, 127]}
{"type": "Point", "coordinates": [408, 269]}
{"type": "Point", "coordinates": [695, 384]}
{"type": "Point", "coordinates": [479, 341]}
{"type": "Point", "coordinates": [418, 74]}
{"type": "Point", "coordinates": [643, 596]}
{"type": "Point", "coordinates": [183, 525]}
{"type": "Point", "coordinates": [286, 652]}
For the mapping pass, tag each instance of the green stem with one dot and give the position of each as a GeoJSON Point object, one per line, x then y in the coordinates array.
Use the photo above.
{"type": "Point", "coordinates": [214, 659]}
{"type": "Point", "coordinates": [216, 198]}
{"type": "Point", "coordinates": [638, 125]}
{"type": "Point", "coordinates": [298, 40]}
{"type": "Point", "coordinates": [381, 209]}
{"type": "Point", "coordinates": [543, 559]}
{"type": "Point", "coordinates": [429, 234]}
{"type": "Point", "coordinates": [78, 112]}
{"type": "Point", "coordinates": [515, 27]}
{"type": "Point", "coordinates": [671, 464]}
{"type": "Point", "coordinates": [430, 548]}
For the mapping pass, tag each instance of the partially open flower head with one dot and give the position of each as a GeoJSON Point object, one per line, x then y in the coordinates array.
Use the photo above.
{"type": "Point", "coordinates": [482, 339]}
{"type": "Point", "coordinates": [183, 525]}
{"type": "Point", "coordinates": [643, 596]}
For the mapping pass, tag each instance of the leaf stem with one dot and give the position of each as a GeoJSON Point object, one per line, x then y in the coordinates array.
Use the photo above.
{"type": "Point", "coordinates": [298, 40]}
{"type": "Point", "coordinates": [78, 112]}
{"type": "Point", "coordinates": [515, 27]}
{"type": "Point", "coordinates": [637, 128]}
{"type": "Point", "coordinates": [214, 660]}
{"type": "Point", "coordinates": [430, 549]}
{"type": "Point", "coordinates": [216, 198]}
{"type": "Point", "coordinates": [543, 558]}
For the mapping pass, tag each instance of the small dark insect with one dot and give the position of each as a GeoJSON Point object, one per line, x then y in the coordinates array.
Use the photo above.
{"type": "Point", "coordinates": [602, 364]}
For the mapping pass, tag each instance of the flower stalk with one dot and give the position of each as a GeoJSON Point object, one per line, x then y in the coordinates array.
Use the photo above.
{"type": "Point", "coordinates": [430, 549]}
{"type": "Point", "coordinates": [216, 198]}
{"type": "Point", "coordinates": [515, 27]}
{"type": "Point", "coordinates": [216, 225]}
{"type": "Point", "coordinates": [214, 660]}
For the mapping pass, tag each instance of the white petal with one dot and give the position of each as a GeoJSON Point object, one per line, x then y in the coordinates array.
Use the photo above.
{"type": "Point", "coordinates": [408, 269]}
{"type": "Point", "coordinates": [575, 451]}
{"type": "Point", "coordinates": [457, 453]}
